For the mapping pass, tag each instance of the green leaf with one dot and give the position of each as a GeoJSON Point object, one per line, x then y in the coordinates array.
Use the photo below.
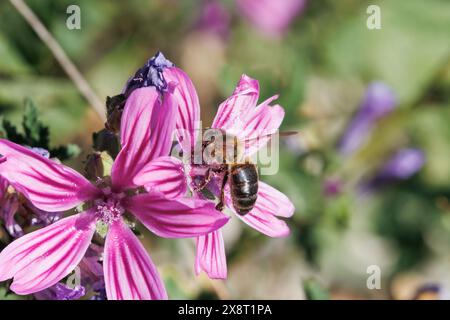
{"type": "Point", "coordinates": [12, 133]}
{"type": "Point", "coordinates": [5, 295]}
{"type": "Point", "coordinates": [315, 291]}
{"type": "Point", "coordinates": [36, 134]}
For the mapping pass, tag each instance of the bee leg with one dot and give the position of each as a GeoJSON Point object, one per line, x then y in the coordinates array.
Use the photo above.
{"type": "Point", "coordinates": [205, 181]}
{"type": "Point", "coordinates": [219, 206]}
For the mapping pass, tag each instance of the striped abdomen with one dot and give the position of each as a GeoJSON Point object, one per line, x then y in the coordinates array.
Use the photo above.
{"type": "Point", "coordinates": [243, 187]}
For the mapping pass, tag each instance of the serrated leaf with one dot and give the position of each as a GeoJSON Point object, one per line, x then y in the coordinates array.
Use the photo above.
{"type": "Point", "coordinates": [12, 133]}
{"type": "Point", "coordinates": [36, 134]}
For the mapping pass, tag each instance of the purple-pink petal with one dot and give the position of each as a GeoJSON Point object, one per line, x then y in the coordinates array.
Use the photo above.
{"type": "Point", "coordinates": [260, 124]}
{"type": "Point", "coordinates": [263, 217]}
{"type": "Point", "coordinates": [379, 100]}
{"type": "Point", "coordinates": [188, 106]}
{"type": "Point", "coordinates": [233, 111]}
{"type": "Point", "coordinates": [165, 174]}
{"type": "Point", "coordinates": [40, 259]}
{"type": "Point", "coordinates": [147, 126]}
{"type": "Point", "coordinates": [274, 201]}
{"type": "Point", "coordinates": [265, 223]}
{"type": "Point", "coordinates": [175, 218]}
{"type": "Point", "coordinates": [48, 185]}
{"type": "Point", "coordinates": [240, 116]}
{"type": "Point", "coordinates": [129, 272]}
{"type": "Point", "coordinates": [210, 255]}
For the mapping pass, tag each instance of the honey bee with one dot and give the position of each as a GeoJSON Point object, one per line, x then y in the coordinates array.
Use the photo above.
{"type": "Point", "coordinates": [221, 155]}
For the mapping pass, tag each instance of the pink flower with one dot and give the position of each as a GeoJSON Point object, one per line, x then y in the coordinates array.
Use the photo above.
{"type": "Point", "coordinates": [240, 116]}
{"type": "Point", "coordinates": [271, 17]}
{"type": "Point", "coordinates": [214, 18]}
{"type": "Point", "coordinates": [40, 259]}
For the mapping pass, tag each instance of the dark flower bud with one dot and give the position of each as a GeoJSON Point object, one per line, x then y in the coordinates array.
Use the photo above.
{"type": "Point", "coordinates": [93, 168]}
{"type": "Point", "coordinates": [105, 140]}
{"type": "Point", "coordinates": [151, 74]}
{"type": "Point", "coordinates": [114, 109]}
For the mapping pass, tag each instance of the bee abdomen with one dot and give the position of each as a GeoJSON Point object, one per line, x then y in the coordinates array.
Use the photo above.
{"type": "Point", "coordinates": [244, 187]}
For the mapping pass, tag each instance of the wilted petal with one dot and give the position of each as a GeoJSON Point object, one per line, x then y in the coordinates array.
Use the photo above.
{"type": "Point", "coordinates": [60, 291]}
{"type": "Point", "coordinates": [269, 204]}
{"type": "Point", "coordinates": [9, 207]}
{"type": "Point", "coordinates": [175, 218]}
{"type": "Point", "coordinates": [48, 185]}
{"type": "Point", "coordinates": [129, 272]}
{"type": "Point", "coordinates": [43, 218]}
{"type": "Point", "coordinates": [165, 174]}
{"type": "Point", "coordinates": [186, 98]}
{"type": "Point", "coordinates": [40, 259]}
{"type": "Point", "coordinates": [233, 112]}
{"type": "Point", "coordinates": [210, 256]}
{"type": "Point", "coordinates": [146, 133]}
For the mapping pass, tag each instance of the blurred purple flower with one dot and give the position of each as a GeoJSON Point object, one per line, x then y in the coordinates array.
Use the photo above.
{"type": "Point", "coordinates": [332, 187]}
{"type": "Point", "coordinates": [379, 101]}
{"type": "Point", "coordinates": [271, 17]}
{"type": "Point", "coordinates": [214, 18]}
{"type": "Point", "coordinates": [403, 165]}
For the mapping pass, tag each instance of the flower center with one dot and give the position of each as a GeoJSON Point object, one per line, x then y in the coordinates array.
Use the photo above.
{"type": "Point", "coordinates": [109, 208]}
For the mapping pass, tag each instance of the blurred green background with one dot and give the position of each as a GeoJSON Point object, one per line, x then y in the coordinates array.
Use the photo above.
{"type": "Point", "coordinates": [320, 67]}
